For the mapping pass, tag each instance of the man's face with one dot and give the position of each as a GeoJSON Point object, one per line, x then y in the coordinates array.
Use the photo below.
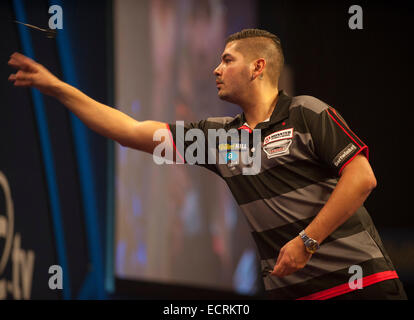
{"type": "Point", "coordinates": [232, 74]}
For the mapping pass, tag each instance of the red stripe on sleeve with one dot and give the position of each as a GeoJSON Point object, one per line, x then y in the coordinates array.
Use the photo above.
{"type": "Point", "coordinates": [366, 151]}
{"type": "Point", "coordinates": [343, 128]}
{"type": "Point", "coordinates": [345, 125]}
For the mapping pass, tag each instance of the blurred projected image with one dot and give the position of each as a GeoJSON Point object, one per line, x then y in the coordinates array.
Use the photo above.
{"type": "Point", "coordinates": [176, 223]}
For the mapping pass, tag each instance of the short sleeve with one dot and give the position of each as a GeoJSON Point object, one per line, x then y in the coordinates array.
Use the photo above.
{"type": "Point", "coordinates": [335, 143]}
{"type": "Point", "coordinates": [189, 140]}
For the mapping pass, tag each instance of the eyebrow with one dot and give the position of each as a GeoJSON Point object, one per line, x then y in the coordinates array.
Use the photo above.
{"type": "Point", "coordinates": [226, 55]}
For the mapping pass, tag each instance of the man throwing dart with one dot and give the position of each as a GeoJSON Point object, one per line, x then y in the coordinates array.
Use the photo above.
{"type": "Point", "coordinates": [305, 203]}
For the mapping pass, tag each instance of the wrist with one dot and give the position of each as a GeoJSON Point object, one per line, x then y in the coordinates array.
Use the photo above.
{"type": "Point", "coordinates": [312, 232]}
{"type": "Point", "coordinates": [64, 92]}
{"type": "Point", "coordinates": [57, 88]}
{"type": "Point", "coordinates": [311, 245]}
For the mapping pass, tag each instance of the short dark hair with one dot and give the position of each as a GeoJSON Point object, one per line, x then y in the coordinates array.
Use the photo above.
{"type": "Point", "coordinates": [261, 43]}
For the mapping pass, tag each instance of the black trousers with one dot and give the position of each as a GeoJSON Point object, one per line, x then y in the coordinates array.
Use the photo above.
{"type": "Point", "coordinates": [391, 289]}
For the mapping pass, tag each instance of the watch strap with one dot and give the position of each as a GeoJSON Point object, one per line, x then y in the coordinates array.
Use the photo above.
{"type": "Point", "coordinates": [311, 245]}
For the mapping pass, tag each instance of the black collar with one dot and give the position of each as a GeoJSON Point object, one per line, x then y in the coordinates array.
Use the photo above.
{"type": "Point", "coordinates": [280, 113]}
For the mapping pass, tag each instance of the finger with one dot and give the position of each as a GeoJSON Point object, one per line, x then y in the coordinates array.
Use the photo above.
{"type": "Point", "coordinates": [20, 57]}
{"type": "Point", "coordinates": [278, 270]}
{"type": "Point", "coordinates": [279, 257]}
{"type": "Point", "coordinates": [20, 65]}
{"type": "Point", "coordinates": [22, 83]}
{"type": "Point", "coordinates": [21, 75]}
{"type": "Point", "coordinates": [21, 78]}
{"type": "Point", "coordinates": [283, 269]}
{"type": "Point", "coordinates": [14, 63]}
{"type": "Point", "coordinates": [22, 62]}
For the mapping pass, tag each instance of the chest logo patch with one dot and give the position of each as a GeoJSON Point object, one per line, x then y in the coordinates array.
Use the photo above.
{"type": "Point", "coordinates": [278, 143]}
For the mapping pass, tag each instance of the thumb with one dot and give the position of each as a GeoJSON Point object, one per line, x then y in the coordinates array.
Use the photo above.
{"type": "Point", "coordinates": [279, 257]}
{"type": "Point", "coordinates": [277, 265]}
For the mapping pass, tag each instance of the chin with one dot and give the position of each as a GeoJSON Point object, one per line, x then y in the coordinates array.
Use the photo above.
{"type": "Point", "coordinates": [224, 96]}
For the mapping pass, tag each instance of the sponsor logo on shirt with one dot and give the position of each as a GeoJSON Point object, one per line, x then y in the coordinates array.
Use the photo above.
{"type": "Point", "coordinates": [277, 143]}
{"type": "Point", "coordinates": [278, 135]}
{"type": "Point", "coordinates": [234, 146]}
{"type": "Point", "coordinates": [341, 156]}
{"type": "Point", "coordinates": [278, 148]}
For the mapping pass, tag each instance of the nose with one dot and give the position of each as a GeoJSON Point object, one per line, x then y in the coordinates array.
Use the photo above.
{"type": "Point", "coordinates": [216, 71]}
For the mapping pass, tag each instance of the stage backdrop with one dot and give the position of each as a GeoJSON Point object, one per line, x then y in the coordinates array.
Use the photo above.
{"type": "Point", "coordinates": [176, 223]}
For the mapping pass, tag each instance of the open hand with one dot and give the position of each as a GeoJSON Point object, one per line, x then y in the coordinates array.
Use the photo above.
{"type": "Point", "coordinates": [292, 257]}
{"type": "Point", "coordinates": [32, 74]}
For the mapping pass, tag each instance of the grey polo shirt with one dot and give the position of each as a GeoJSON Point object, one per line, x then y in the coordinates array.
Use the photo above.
{"type": "Point", "coordinates": [304, 147]}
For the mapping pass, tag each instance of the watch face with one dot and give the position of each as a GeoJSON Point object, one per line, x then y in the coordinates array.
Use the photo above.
{"type": "Point", "coordinates": [312, 244]}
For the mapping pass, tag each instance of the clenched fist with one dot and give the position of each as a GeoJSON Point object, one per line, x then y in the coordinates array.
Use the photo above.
{"type": "Point", "coordinates": [32, 74]}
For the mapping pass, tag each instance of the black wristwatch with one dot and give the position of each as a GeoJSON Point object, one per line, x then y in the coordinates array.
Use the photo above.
{"type": "Point", "coordinates": [311, 245]}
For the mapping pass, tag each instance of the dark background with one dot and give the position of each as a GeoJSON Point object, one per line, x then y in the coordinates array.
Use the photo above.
{"type": "Point", "coordinates": [365, 74]}
{"type": "Point", "coordinates": [20, 150]}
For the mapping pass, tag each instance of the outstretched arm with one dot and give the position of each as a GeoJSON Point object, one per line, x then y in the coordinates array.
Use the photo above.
{"type": "Point", "coordinates": [104, 120]}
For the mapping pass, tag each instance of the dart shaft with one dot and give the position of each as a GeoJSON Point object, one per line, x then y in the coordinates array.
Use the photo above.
{"type": "Point", "coordinates": [31, 26]}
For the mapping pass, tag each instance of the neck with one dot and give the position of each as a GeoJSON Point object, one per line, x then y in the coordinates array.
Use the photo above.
{"type": "Point", "coordinates": [260, 107]}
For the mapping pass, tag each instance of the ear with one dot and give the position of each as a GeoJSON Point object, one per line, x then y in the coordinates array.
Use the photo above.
{"type": "Point", "coordinates": [258, 67]}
